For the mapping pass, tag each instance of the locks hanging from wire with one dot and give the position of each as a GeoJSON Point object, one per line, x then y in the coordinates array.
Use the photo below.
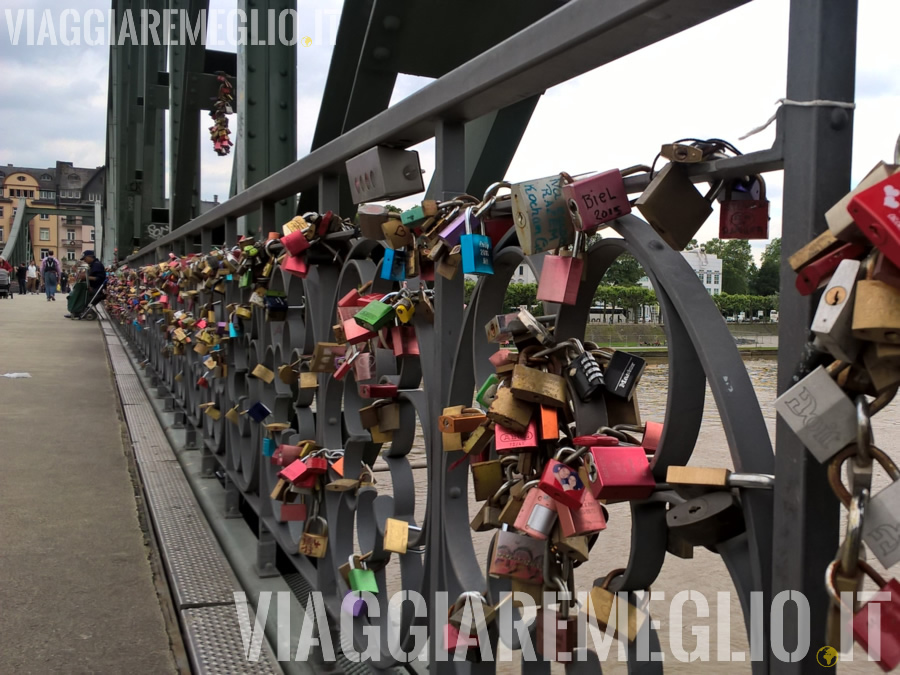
{"type": "Point", "coordinates": [223, 105]}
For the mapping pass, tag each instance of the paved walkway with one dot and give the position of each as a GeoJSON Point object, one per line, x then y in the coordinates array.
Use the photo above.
{"type": "Point", "coordinates": [76, 590]}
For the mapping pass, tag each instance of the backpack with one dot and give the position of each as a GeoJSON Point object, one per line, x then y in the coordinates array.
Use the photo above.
{"type": "Point", "coordinates": [48, 265]}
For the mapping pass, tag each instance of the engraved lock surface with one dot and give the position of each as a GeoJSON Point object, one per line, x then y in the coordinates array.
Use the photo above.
{"type": "Point", "coordinates": [541, 215]}
{"type": "Point", "coordinates": [582, 521]}
{"type": "Point", "coordinates": [508, 441]}
{"type": "Point", "coordinates": [743, 215]}
{"type": "Point", "coordinates": [596, 199]}
{"type": "Point", "coordinates": [820, 414]}
{"type": "Point", "coordinates": [510, 412]}
{"type": "Point", "coordinates": [295, 242]}
{"type": "Point", "coordinates": [314, 544]}
{"type": "Point", "coordinates": [840, 221]}
{"type": "Point", "coordinates": [518, 556]}
{"type": "Point", "coordinates": [876, 312]}
{"type": "Point", "coordinates": [561, 276]}
{"type": "Point", "coordinates": [536, 386]}
{"type": "Point", "coordinates": [476, 249]}
{"type": "Point", "coordinates": [623, 374]}
{"type": "Point", "coordinates": [375, 315]}
{"type": "Point", "coordinates": [876, 211]}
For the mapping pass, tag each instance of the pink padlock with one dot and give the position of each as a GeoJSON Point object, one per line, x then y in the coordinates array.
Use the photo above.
{"type": "Point", "coordinates": [563, 483]}
{"type": "Point", "coordinates": [364, 367]}
{"type": "Point", "coordinates": [295, 242]}
{"type": "Point", "coordinates": [561, 276]}
{"type": "Point", "coordinates": [507, 440]}
{"type": "Point", "coordinates": [596, 199]}
{"type": "Point", "coordinates": [356, 333]}
{"type": "Point", "coordinates": [589, 519]}
{"type": "Point", "coordinates": [285, 454]}
{"type": "Point", "coordinates": [621, 473]}
{"type": "Point", "coordinates": [404, 341]}
{"type": "Point", "coordinates": [294, 471]}
{"type": "Point", "coordinates": [316, 465]}
{"type": "Point", "coordinates": [538, 513]}
{"type": "Point", "coordinates": [293, 512]}
{"type": "Point", "coordinates": [296, 265]}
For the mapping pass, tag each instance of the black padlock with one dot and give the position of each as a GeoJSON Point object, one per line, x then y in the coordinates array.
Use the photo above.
{"type": "Point", "coordinates": [582, 371]}
{"type": "Point", "coordinates": [276, 307]}
{"type": "Point", "coordinates": [623, 374]}
{"type": "Point", "coordinates": [707, 520]}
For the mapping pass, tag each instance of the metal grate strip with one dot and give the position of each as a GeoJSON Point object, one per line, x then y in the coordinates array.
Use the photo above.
{"type": "Point", "coordinates": [131, 389]}
{"type": "Point", "coordinates": [216, 645]}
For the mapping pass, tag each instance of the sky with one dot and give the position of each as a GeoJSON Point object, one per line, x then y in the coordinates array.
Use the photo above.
{"type": "Point", "coordinates": [720, 79]}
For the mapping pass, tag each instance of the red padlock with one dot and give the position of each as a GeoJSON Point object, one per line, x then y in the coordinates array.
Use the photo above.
{"type": "Point", "coordinates": [589, 519]}
{"type": "Point", "coordinates": [495, 228]}
{"type": "Point", "coordinates": [325, 223]}
{"type": "Point", "coordinates": [404, 341]}
{"type": "Point", "coordinates": [596, 440]}
{"type": "Point", "coordinates": [563, 483]}
{"type": "Point", "coordinates": [356, 333]}
{"type": "Point", "coordinates": [453, 639]}
{"type": "Point", "coordinates": [294, 471]}
{"type": "Point", "coordinates": [296, 265]}
{"type": "Point", "coordinates": [203, 383]}
{"type": "Point", "coordinates": [620, 473]}
{"type": "Point", "coordinates": [538, 514]}
{"type": "Point", "coordinates": [507, 440]}
{"type": "Point", "coordinates": [561, 275]}
{"type": "Point", "coordinates": [743, 217]}
{"type": "Point", "coordinates": [817, 273]}
{"type": "Point", "coordinates": [876, 212]}
{"type": "Point", "coordinates": [316, 465]}
{"type": "Point", "coordinates": [346, 365]}
{"type": "Point", "coordinates": [596, 199]}
{"type": "Point", "coordinates": [652, 436]}
{"type": "Point", "coordinates": [293, 512]}
{"type": "Point", "coordinates": [378, 391]}
{"type": "Point", "coordinates": [295, 242]}
{"type": "Point", "coordinates": [366, 299]}
{"type": "Point", "coordinates": [285, 454]}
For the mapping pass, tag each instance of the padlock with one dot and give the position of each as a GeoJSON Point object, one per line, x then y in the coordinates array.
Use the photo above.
{"type": "Point", "coordinates": [817, 273]}
{"type": "Point", "coordinates": [447, 232]}
{"type": "Point", "coordinates": [397, 235]}
{"type": "Point", "coordinates": [537, 386]}
{"type": "Point", "coordinates": [508, 441]}
{"type": "Point", "coordinates": [582, 371]}
{"type": "Point", "coordinates": [295, 242]}
{"type": "Point", "coordinates": [541, 215]}
{"type": "Point", "coordinates": [404, 308]}
{"type": "Point", "coordinates": [393, 267]}
{"type": "Point", "coordinates": [324, 356]}
{"type": "Point", "coordinates": [595, 200]}
{"type": "Point", "coordinates": [345, 364]}
{"type": "Point", "coordinates": [707, 520]}
{"type": "Point", "coordinates": [488, 516]}
{"type": "Point", "coordinates": [517, 556]}
{"type": "Point", "coordinates": [396, 535]}
{"type": "Point", "coordinates": [556, 636]}
{"type": "Point", "coordinates": [361, 578]}
{"type": "Point", "coordinates": [479, 440]}
{"type": "Point", "coordinates": [296, 265]}
{"type": "Point", "coordinates": [549, 417]}
{"type": "Point", "coordinates": [623, 373]}
{"type": "Point", "coordinates": [285, 455]}
{"type": "Point", "coordinates": [294, 472]}
{"type": "Point", "coordinates": [448, 265]}
{"type": "Point", "coordinates": [510, 412]}
{"type": "Point", "coordinates": [819, 247]}
{"type": "Point", "coordinates": [881, 528]}
{"type": "Point", "coordinates": [500, 329]}
{"type": "Point", "coordinates": [455, 641]}
{"type": "Point", "coordinates": [504, 360]}
{"type": "Point", "coordinates": [308, 380]}
{"type": "Point", "coordinates": [459, 610]}
{"type": "Point", "coordinates": [562, 481]}
{"type": "Point", "coordinates": [487, 478]}
{"type": "Point", "coordinates": [263, 373]}
{"type": "Point", "coordinates": [477, 254]}
{"type": "Point", "coordinates": [744, 211]}
{"type": "Point", "coordinates": [404, 340]}
{"type": "Point", "coordinates": [876, 211]}
{"type": "Point", "coordinates": [588, 519]}
{"type": "Point", "coordinates": [376, 315]}
{"type": "Point", "coordinates": [258, 412]}
{"type": "Point", "coordinates": [840, 220]}
{"type": "Point", "coordinates": [876, 312]}
{"type": "Point", "coordinates": [652, 435]}
{"type": "Point", "coordinates": [888, 652]}
{"type": "Point", "coordinates": [465, 422]}
{"type": "Point", "coordinates": [561, 275]}
{"type": "Point", "coordinates": [418, 214]}
{"type": "Point", "coordinates": [883, 375]}
{"type": "Point", "coordinates": [693, 481]}
{"type": "Point", "coordinates": [388, 417]}
{"type": "Point", "coordinates": [488, 391]}
{"type": "Point", "coordinates": [354, 333]}
{"type": "Point", "coordinates": [276, 306]}
{"type": "Point", "coordinates": [604, 605]}
{"type": "Point", "coordinates": [378, 391]}
{"type": "Point", "coordinates": [538, 513]}
{"type": "Point", "coordinates": [576, 548]}
{"type": "Point", "coordinates": [674, 207]}
{"type": "Point", "coordinates": [680, 152]}
{"type": "Point", "coordinates": [619, 473]}
{"type": "Point", "coordinates": [370, 218]}
{"type": "Point", "coordinates": [820, 414]}
{"type": "Point", "coordinates": [314, 544]}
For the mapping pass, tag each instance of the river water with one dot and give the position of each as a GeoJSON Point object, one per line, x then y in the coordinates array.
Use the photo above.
{"type": "Point", "coordinates": [706, 572]}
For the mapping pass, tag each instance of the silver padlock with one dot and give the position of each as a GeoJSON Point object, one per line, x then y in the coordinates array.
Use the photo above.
{"type": "Point", "coordinates": [820, 413]}
{"type": "Point", "coordinates": [881, 530]}
{"type": "Point", "coordinates": [832, 324]}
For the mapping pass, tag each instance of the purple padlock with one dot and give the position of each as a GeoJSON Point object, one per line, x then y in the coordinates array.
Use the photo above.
{"type": "Point", "coordinates": [457, 228]}
{"type": "Point", "coordinates": [222, 328]}
{"type": "Point", "coordinates": [359, 605]}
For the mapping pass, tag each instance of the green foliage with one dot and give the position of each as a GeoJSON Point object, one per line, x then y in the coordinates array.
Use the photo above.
{"type": "Point", "coordinates": [626, 297]}
{"type": "Point", "coordinates": [391, 208]}
{"type": "Point", "coordinates": [625, 271]}
{"type": "Point", "coordinates": [767, 280]}
{"type": "Point", "coordinates": [749, 304]}
{"type": "Point", "coordinates": [519, 294]}
{"type": "Point", "coordinates": [469, 289]}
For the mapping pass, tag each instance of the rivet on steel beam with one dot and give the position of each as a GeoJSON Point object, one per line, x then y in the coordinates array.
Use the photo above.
{"type": "Point", "coordinates": [381, 53]}
{"type": "Point", "coordinates": [252, 167]}
{"type": "Point", "coordinates": [455, 493]}
{"type": "Point", "coordinates": [840, 118]}
{"type": "Point", "coordinates": [282, 137]}
{"type": "Point", "coordinates": [282, 104]}
{"type": "Point", "coordinates": [332, 421]}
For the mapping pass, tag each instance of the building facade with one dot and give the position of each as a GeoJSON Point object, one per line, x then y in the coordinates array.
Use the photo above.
{"type": "Point", "coordinates": [708, 268]}
{"type": "Point", "coordinates": [63, 186]}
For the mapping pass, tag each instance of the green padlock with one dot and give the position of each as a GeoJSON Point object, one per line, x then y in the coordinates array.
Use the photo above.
{"type": "Point", "coordinates": [246, 279]}
{"type": "Point", "coordinates": [377, 314]}
{"type": "Point", "coordinates": [419, 214]}
{"type": "Point", "coordinates": [488, 391]}
{"type": "Point", "coordinates": [362, 579]}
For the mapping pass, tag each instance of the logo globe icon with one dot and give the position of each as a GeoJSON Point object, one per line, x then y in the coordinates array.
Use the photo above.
{"type": "Point", "coordinates": [827, 656]}
{"type": "Point", "coordinates": [306, 42]}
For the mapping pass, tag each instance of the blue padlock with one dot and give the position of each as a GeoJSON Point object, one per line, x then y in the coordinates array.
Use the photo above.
{"type": "Point", "coordinates": [393, 267]}
{"type": "Point", "coordinates": [477, 256]}
{"type": "Point", "coordinates": [268, 447]}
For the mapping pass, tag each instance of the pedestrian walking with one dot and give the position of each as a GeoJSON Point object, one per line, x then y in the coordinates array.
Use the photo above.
{"type": "Point", "coordinates": [6, 274]}
{"type": "Point", "coordinates": [22, 277]}
{"type": "Point", "coordinates": [32, 277]}
{"type": "Point", "coordinates": [50, 271]}
{"type": "Point", "coordinates": [64, 281]}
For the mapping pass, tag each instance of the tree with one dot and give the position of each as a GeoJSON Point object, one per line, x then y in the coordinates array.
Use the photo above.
{"type": "Point", "coordinates": [391, 208]}
{"type": "Point", "coordinates": [469, 289]}
{"type": "Point", "coordinates": [625, 271]}
{"type": "Point", "coordinates": [767, 280]}
{"type": "Point", "coordinates": [519, 294]}
{"type": "Point", "coordinates": [736, 258]}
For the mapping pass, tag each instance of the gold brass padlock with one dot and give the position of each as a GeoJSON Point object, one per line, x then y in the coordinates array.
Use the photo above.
{"type": "Point", "coordinates": [876, 312]}
{"type": "Point", "coordinates": [603, 603]}
{"type": "Point", "coordinates": [448, 265]}
{"type": "Point", "coordinates": [487, 479]}
{"type": "Point", "coordinates": [510, 412]}
{"type": "Point", "coordinates": [453, 441]}
{"type": "Point", "coordinates": [396, 234]}
{"type": "Point", "coordinates": [263, 373]}
{"type": "Point", "coordinates": [396, 536]}
{"type": "Point", "coordinates": [537, 386]}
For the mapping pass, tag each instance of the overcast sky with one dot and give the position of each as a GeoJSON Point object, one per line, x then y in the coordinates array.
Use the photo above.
{"type": "Point", "coordinates": [720, 79]}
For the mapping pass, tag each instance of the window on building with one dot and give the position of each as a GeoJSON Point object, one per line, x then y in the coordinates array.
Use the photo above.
{"type": "Point", "coordinates": [708, 278]}
{"type": "Point", "coordinates": [92, 234]}
{"type": "Point", "coordinates": [20, 178]}
{"type": "Point", "coordinates": [1, 211]}
{"type": "Point", "coordinates": [30, 194]}
{"type": "Point", "coordinates": [44, 253]}
{"type": "Point", "coordinates": [1, 234]}
{"type": "Point", "coordinates": [48, 194]}
{"type": "Point", "coordinates": [46, 176]}
{"type": "Point", "coordinates": [70, 235]}
{"type": "Point", "coordinates": [15, 208]}
{"type": "Point", "coordinates": [716, 279]}
{"type": "Point", "coordinates": [45, 234]}
{"type": "Point", "coordinates": [521, 269]}
{"type": "Point", "coordinates": [70, 255]}
{"type": "Point", "coordinates": [45, 216]}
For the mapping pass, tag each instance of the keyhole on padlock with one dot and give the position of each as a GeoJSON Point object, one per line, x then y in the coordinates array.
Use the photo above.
{"type": "Point", "coordinates": [836, 295]}
{"type": "Point", "coordinates": [693, 509]}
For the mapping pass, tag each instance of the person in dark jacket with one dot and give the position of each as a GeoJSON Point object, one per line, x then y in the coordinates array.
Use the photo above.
{"type": "Point", "coordinates": [22, 277]}
{"type": "Point", "coordinates": [96, 275]}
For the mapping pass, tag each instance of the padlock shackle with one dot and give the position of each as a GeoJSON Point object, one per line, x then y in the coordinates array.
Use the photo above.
{"type": "Point", "coordinates": [851, 549]}
{"type": "Point", "coordinates": [834, 470]}
{"type": "Point", "coordinates": [835, 567]}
